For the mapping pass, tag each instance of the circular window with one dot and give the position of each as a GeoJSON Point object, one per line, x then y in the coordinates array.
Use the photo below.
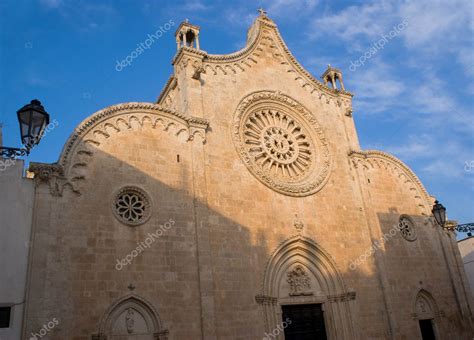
{"type": "Point", "coordinates": [407, 229]}
{"type": "Point", "coordinates": [281, 143]}
{"type": "Point", "coordinates": [131, 206]}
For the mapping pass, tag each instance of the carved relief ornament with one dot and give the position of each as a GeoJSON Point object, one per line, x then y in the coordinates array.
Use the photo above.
{"type": "Point", "coordinates": [281, 143]}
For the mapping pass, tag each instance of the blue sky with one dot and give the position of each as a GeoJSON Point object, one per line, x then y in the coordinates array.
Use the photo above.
{"type": "Point", "coordinates": [413, 98]}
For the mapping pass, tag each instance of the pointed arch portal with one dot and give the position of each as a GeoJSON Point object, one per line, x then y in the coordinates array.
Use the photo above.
{"type": "Point", "coordinates": [427, 313]}
{"type": "Point", "coordinates": [301, 273]}
{"type": "Point", "coordinates": [131, 318]}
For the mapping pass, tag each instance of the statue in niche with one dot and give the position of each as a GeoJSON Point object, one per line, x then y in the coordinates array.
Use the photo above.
{"type": "Point", "coordinates": [130, 320]}
{"type": "Point", "coordinates": [299, 282]}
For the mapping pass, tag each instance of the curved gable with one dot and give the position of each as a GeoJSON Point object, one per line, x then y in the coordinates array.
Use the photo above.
{"type": "Point", "coordinates": [263, 35]}
{"type": "Point", "coordinates": [88, 136]}
{"type": "Point", "coordinates": [373, 159]}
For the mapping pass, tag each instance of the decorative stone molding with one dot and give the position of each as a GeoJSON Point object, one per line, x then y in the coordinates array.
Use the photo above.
{"type": "Point", "coordinates": [425, 306]}
{"type": "Point", "coordinates": [406, 228]}
{"type": "Point", "coordinates": [349, 296]}
{"type": "Point", "coordinates": [281, 143]}
{"type": "Point", "coordinates": [299, 226]}
{"type": "Point", "coordinates": [303, 255]}
{"type": "Point", "coordinates": [299, 281]}
{"type": "Point", "coordinates": [131, 315]}
{"type": "Point", "coordinates": [265, 300]}
{"type": "Point", "coordinates": [373, 159]}
{"type": "Point", "coordinates": [153, 110]}
{"type": "Point", "coordinates": [79, 149]}
{"type": "Point", "coordinates": [263, 34]}
{"type": "Point", "coordinates": [52, 175]}
{"type": "Point", "coordinates": [171, 84]}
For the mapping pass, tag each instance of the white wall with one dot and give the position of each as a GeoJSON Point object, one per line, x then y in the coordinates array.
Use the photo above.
{"type": "Point", "coordinates": [16, 208]}
{"type": "Point", "coordinates": [466, 248]}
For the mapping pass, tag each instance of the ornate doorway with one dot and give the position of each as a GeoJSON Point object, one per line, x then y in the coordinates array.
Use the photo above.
{"type": "Point", "coordinates": [307, 322]}
{"type": "Point", "coordinates": [301, 279]}
{"type": "Point", "coordinates": [427, 313]}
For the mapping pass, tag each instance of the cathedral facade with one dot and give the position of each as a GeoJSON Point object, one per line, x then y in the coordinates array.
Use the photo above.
{"type": "Point", "coordinates": [238, 206]}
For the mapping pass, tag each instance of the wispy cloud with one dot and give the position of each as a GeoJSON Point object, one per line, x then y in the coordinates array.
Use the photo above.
{"type": "Point", "coordinates": [278, 8]}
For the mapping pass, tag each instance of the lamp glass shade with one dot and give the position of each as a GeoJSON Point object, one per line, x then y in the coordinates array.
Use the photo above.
{"type": "Point", "coordinates": [33, 120]}
{"type": "Point", "coordinates": [439, 213]}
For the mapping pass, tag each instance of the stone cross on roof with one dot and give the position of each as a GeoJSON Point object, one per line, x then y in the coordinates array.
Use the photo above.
{"type": "Point", "coordinates": [262, 12]}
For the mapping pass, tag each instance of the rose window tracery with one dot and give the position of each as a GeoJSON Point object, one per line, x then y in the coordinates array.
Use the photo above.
{"type": "Point", "coordinates": [281, 143]}
{"type": "Point", "coordinates": [407, 229]}
{"type": "Point", "coordinates": [278, 144]}
{"type": "Point", "coordinates": [131, 206]}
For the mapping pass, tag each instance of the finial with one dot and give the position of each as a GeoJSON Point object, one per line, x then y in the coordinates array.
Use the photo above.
{"type": "Point", "coordinates": [299, 226]}
{"type": "Point", "coordinates": [262, 12]}
{"type": "Point", "coordinates": [186, 20]}
{"type": "Point", "coordinates": [329, 65]}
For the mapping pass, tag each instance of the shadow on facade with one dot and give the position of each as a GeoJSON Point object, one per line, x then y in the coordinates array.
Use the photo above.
{"type": "Point", "coordinates": [210, 274]}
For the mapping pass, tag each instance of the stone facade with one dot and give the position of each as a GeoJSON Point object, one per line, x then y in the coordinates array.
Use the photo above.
{"type": "Point", "coordinates": [466, 249]}
{"type": "Point", "coordinates": [241, 190]}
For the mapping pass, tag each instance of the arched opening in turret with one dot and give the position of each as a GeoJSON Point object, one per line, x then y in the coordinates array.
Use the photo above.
{"type": "Point", "coordinates": [190, 39]}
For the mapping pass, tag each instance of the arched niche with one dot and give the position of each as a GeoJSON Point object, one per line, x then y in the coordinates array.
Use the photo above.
{"type": "Point", "coordinates": [301, 272]}
{"type": "Point", "coordinates": [131, 318]}
{"type": "Point", "coordinates": [425, 308]}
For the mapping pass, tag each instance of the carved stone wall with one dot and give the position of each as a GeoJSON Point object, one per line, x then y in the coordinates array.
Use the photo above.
{"type": "Point", "coordinates": [237, 146]}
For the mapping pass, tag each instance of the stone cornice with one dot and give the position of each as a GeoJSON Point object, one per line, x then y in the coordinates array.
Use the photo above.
{"type": "Point", "coordinates": [245, 57]}
{"type": "Point", "coordinates": [101, 115]}
{"type": "Point", "coordinates": [166, 89]}
{"type": "Point", "coordinates": [247, 50]}
{"type": "Point", "coordinates": [51, 175]}
{"type": "Point", "coordinates": [93, 129]}
{"type": "Point", "coordinates": [184, 50]}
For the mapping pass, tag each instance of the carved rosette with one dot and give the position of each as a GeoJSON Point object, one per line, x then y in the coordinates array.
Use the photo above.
{"type": "Point", "coordinates": [281, 143]}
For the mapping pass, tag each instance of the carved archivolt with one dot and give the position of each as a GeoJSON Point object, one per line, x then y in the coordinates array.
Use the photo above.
{"type": "Point", "coordinates": [281, 143]}
{"type": "Point", "coordinates": [81, 145]}
{"type": "Point", "coordinates": [425, 306]}
{"type": "Point", "coordinates": [373, 159]}
{"type": "Point", "coordinates": [131, 315]}
{"type": "Point", "coordinates": [300, 271]}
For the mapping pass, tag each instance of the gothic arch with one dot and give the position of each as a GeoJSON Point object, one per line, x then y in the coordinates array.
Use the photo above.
{"type": "Point", "coordinates": [301, 272]}
{"type": "Point", "coordinates": [424, 306]}
{"type": "Point", "coordinates": [131, 315]}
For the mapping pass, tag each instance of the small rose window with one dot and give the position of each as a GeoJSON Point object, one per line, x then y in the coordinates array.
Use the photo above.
{"type": "Point", "coordinates": [131, 206]}
{"type": "Point", "coordinates": [407, 229]}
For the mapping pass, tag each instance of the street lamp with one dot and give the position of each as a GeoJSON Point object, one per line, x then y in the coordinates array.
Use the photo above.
{"type": "Point", "coordinates": [439, 213]}
{"type": "Point", "coordinates": [33, 120]}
